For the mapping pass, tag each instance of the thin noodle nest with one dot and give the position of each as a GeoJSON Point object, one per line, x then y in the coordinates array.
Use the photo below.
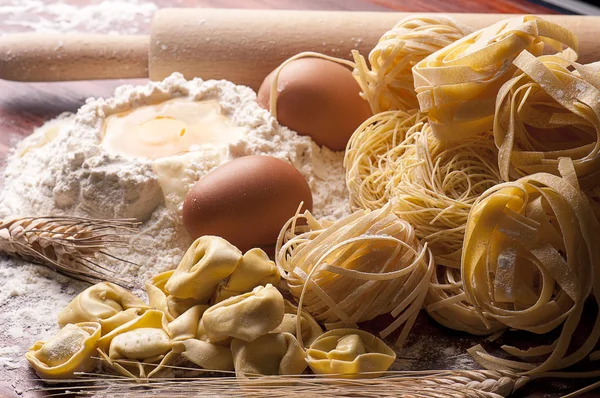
{"type": "Point", "coordinates": [457, 85]}
{"type": "Point", "coordinates": [367, 264]}
{"type": "Point", "coordinates": [530, 262]}
{"type": "Point", "coordinates": [549, 109]}
{"type": "Point", "coordinates": [389, 85]}
{"type": "Point", "coordinates": [430, 183]}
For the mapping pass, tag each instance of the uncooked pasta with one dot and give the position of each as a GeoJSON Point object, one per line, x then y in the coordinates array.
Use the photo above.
{"type": "Point", "coordinates": [457, 85]}
{"type": "Point", "coordinates": [367, 264]}
{"type": "Point", "coordinates": [530, 262]}
{"type": "Point", "coordinates": [430, 183]}
{"type": "Point", "coordinates": [388, 84]}
{"type": "Point", "coordinates": [375, 143]}
{"type": "Point", "coordinates": [447, 303]}
{"type": "Point", "coordinates": [548, 110]}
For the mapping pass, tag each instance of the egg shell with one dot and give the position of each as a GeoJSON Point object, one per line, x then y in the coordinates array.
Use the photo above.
{"type": "Point", "coordinates": [318, 98]}
{"type": "Point", "coordinates": [246, 201]}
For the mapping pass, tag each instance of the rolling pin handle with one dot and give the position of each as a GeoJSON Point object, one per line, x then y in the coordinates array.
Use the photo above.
{"type": "Point", "coordinates": [30, 57]}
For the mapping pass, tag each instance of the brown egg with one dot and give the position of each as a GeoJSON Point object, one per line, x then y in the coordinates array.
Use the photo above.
{"type": "Point", "coordinates": [246, 201]}
{"type": "Point", "coordinates": [318, 98]}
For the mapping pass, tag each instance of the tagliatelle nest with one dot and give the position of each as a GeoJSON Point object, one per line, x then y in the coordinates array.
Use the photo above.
{"type": "Point", "coordinates": [549, 109]}
{"type": "Point", "coordinates": [431, 184]}
{"type": "Point", "coordinates": [389, 85]}
{"type": "Point", "coordinates": [457, 85]}
{"type": "Point", "coordinates": [530, 261]}
{"type": "Point", "coordinates": [367, 264]}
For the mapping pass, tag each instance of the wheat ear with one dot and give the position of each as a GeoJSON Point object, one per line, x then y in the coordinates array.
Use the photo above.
{"type": "Point", "coordinates": [423, 384]}
{"type": "Point", "coordinates": [69, 245]}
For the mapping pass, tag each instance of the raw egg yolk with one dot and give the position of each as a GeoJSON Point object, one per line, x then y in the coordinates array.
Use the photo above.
{"type": "Point", "coordinates": [169, 128]}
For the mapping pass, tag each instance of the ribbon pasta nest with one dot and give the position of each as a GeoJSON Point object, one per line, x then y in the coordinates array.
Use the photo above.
{"type": "Point", "coordinates": [458, 84]}
{"type": "Point", "coordinates": [530, 261]}
{"type": "Point", "coordinates": [549, 109]}
{"type": "Point", "coordinates": [367, 264]}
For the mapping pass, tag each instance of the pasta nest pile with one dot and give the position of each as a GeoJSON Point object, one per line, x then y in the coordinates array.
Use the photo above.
{"type": "Point", "coordinates": [497, 168]}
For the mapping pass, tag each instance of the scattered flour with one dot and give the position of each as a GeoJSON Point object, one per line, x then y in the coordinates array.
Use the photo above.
{"type": "Point", "coordinates": [62, 168]}
{"type": "Point", "coordinates": [132, 17]}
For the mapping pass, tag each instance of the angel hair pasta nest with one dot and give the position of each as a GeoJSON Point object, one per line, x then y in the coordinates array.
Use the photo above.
{"type": "Point", "coordinates": [395, 157]}
{"type": "Point", "coordinates": [367, 264]}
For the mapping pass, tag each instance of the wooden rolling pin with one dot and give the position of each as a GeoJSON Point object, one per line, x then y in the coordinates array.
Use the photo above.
{"type": "Point", "coordinates": [238, 45]}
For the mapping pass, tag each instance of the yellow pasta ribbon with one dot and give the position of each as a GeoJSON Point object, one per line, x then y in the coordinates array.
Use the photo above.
{"type": "Point", "coordinates": [548, 110]}
{"type": "Point", "coordinates": [530, 261]}
{"type": "Point", "coordinates": [457, 85]}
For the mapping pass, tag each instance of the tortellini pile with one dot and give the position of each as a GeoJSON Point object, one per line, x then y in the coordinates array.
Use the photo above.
{"type": "Point", "coordinates": [218, 310]}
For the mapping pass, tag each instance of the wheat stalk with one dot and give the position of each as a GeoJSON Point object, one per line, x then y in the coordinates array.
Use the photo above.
{"type": "Point", "coordinates": [66, 244]}
{"type": "Point", "coordinates": [423, 384]}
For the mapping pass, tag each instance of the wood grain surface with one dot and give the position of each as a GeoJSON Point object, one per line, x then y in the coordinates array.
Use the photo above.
{"type": "Point", "coordinates": [23, 106]}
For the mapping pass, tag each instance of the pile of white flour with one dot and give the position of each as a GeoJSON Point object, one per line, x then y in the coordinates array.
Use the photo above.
{"type": "Point", "coordinates": [61, 168]}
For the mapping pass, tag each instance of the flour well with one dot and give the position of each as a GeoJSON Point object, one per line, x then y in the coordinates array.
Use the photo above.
{"type": "Point", "coordinates": [62, 168]}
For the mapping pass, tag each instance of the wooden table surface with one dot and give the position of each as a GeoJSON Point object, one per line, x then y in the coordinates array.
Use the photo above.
{"type": "Point", "coordinates": [24, 106]}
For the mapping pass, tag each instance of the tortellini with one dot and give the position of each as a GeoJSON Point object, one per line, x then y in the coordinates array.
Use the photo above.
{"type": "Point", "coordinates": [271, 354]}
{"type": "Point", "coordinates": [310, 329]}
{"type": "Point", "coordinates": [206, 263]}
{"type": "Point", "coordinates": [207, 355]}
{"type": "Point", "coordinates": [245, 317]}
{"type": "Point", "coordinates": [350, 353]}
{"type": "Point", "coordinates": [187, 325]}
{"type": "Point", "coordinates": [143, 343]}
{"type": "Point", "coordinates": [255, 269]}
{"type": "Point", "coordinates": [69, 351]}
{"type": "Point", "coordinates": [160, 299]}
{"type": "Point", "coordinates": [105, 303]}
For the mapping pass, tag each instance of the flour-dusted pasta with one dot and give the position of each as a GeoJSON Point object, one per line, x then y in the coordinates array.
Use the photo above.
{"type": "Point", "coordinates": [349, 353]}
{"type": "Point", "coordinates": [457, 85]}
{"type": "Point", "coordinates": [270, 354]}
{"type": "Point", "coordinates": [548, 110]}
{"type": "Point", "coordinates": [255, 269]}
{"type": "Point", "coordinates": [69, 351]}
{"type": "Point", "coordinates": [139, 348]}
{"type": "Point", "coordinates": [309, 328]}
{"type": "Point", "coordinates": [530, 262]}
{"type": "Point", "coordinates": [105, 303]}
{"type": "Point", "coordinates": [160, 299]}
{"type": "Point", "coordinates": [246, 316]}
{"type": "Point", "coordinates": [206, 263]}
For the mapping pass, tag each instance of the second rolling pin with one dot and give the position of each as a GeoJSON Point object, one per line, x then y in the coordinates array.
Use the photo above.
{"type": "Point", "coordinates": [238, 45]}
